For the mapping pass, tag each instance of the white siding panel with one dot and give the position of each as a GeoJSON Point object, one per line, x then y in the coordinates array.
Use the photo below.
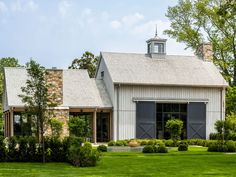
{"type": "Point", "coordinates": [107, 79]}
{"type": "Point", "coordinates": [127, 108]}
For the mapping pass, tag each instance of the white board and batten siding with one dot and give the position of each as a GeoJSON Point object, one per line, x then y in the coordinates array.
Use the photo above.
{"type": "Point", "coordinates": [106, 78]}
{"type": "Point", "coordinates": [127, 106]}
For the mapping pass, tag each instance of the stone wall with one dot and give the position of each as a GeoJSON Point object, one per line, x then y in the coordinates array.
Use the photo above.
{"type": "Point", "coordinates": [63, 116]}
{"type": "Point", "coordinates": [55, 79]}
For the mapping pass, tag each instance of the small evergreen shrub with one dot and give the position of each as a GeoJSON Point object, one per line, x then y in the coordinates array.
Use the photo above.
{"type": "Point", "coordinates": [162, 149]}
{"type": "Point", "coordinates": [102, 148]}
{"type": "Point", "coordinates": [12, 151]}
{"type": "Point", "coordinates": [3, 150]}
{"type": "Point", "coordinates": [111, 143]}
{"type": "Point", "coordinates": [83, 156]}
{"type": "Point", "coordinates": [148, 149]}
{"type": "Point", "coordinates": [143, 142]}
{"type": "Point", "coordinates": [151, 142]}
{"type": "Point", "coordinates": [23, 149]}
{"type": "Point", "coordinates": [121, 143]}
{"type": "Point", "coordinates": [169, 143]}
{"type": "Point", "coordinates": [214, 136]}
{"type": "Point", "coordinates": [183, 146]}
{"type": "Point", "coordinates": [231, 146]}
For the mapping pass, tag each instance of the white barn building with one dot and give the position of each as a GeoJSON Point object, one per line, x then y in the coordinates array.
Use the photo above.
{"type": "Point", "coordinates": [132, 95]}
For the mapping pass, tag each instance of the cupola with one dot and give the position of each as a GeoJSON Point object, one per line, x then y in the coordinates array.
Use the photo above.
{"type": "Point", "coordinates": [156, 46]}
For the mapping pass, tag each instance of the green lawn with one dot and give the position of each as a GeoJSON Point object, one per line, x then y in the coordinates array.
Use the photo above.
{"type": "Point", "coordinates": [196, 162]}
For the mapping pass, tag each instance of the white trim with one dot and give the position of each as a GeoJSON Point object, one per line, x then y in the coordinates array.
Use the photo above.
{"type": "Point", "coordinates": [170, 100]}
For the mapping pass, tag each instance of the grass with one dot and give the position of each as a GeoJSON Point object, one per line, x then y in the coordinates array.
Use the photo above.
{"type": "Point", "coordinates": [196, 162]}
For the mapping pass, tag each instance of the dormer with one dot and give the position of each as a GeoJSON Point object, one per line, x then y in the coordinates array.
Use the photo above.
{"type": "Point", "coordinates": [156, 46]}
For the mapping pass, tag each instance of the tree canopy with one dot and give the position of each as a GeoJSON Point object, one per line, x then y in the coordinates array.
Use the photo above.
{"type": "Point", "coordinates": [87, 61]}
{"type": "Point", "coordinates": [196, 21]}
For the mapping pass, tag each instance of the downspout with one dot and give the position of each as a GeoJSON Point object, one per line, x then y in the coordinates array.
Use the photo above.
{"type": "Point", "coordinates": [221, 113]}
{"type": "Point", "coordinates": [118, 109]}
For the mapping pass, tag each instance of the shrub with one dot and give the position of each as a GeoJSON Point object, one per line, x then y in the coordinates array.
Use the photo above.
{"type": "Point", "coordinates": [55, 151]}
{"type": "Point", "coordinates": [121, 143]}
{"type": "Point", "coordinates": [174, 126]}
{"type": "Point", "coordinates": [102, 148]}
{"type": "Point", "coordinates": [169, 143]}
{"type": "Point", "coordinates": [32, 149]}
{"type": "Point", "coordinates": [214, 136]}
{"type": "Point", "coordinates": [83, 156]}
{"type": "Point", "coordinates": [22, 149]}
{"type": "Point", "coordinates": [134, 143]}
{"type": "Point", "coordinates": [162, 149]}
{"type": "Point", "coordinates": [12, 151]}
{"type": "Point", "coordinates": [213, 147]}
{"type": "Point", "coordinates": [3, 150]}
{"type": "Point", "coordinates": [183, 146]}
{"type": "Point", "coordinates": [151, 142]}
{"type": "Point", "coordinates": [111, 143]}
{"type": "Point", "coordinates": [56, 127]}
{"type": "Point", "coordinates": [148, 149]}
{"type": "Point", "coordinates": [143, 142]}
{"type": "Point", "coordinates": [159, 142]}
{"type": "Point", "coordinates": [231, 146]}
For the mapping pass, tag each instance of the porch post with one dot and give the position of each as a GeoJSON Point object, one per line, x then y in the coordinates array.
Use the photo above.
{"type": "Point", "coordinates": [11, 123]}
{"type": "Point", "coordinates": [95, 126]}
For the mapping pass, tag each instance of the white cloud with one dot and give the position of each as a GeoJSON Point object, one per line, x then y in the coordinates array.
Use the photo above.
{"type": "Point", "coordinates": [127, 21]}
{"type": "Point", "coordinates": [150, 27]}
{"type": "Point", "coordinates": [19, 6]}
{"type": "Point", "coordinates": [3, 7]}
{"type": "Point", "coordinates": [63, 8]}
{"type": "Point", "coordinates": [115, 24]}
{"type": "Point", "coordinates": [86, 12]}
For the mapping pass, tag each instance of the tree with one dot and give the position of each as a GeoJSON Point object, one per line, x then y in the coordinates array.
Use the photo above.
{"type": "Point", "coordinates": [5, 62]}
{"type": "Point", "coordinates": [174, 126]}
{"type": "Point", "coordinates": [197, 21]}
{"type": "Point", "coordinates": [87, 61]}
{"type": "Point", "coordinates": [56, 127]}
{"type": "Point", "coordinates": [79, 127]}
{"type": "Point", "coordinates": [37, 98]}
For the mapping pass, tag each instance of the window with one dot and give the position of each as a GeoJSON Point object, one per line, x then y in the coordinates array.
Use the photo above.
{"type": "Point", "coordinates": [166, 111]}
{"type": "Point", "coordinates": [158, 48]}
{"type": "Point", "coordinates": [149, 48]}
{"type": "Point", "coordinates": [102, 74]}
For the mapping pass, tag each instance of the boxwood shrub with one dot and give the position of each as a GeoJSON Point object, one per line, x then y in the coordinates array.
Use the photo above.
{"type": "Point", "coordinates": [102, 148]}
{"type": "Point", "coordinates": [183, 146]}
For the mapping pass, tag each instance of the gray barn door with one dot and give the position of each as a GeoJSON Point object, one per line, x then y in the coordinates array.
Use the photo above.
{"type": "Point", "coordinates": [146, 120]}
{"type": "Point", "coordinates": [196, 120]}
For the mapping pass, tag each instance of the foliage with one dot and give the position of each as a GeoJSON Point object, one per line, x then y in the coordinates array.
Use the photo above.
{"type": "Point", "coordinates": [230, 100]}
{"type": "Point", "coordinates": [231, 146]}
{"type": "Point", "coordinates": [162, 149]}
{"type": "Point", "coordinates": [111, 143]}
{"type": "Point", "coordinates": [121, 143]}
{"type": "Point", "coordinates": [151, 142]}
{"type": "Point", "coordinates": [195, 21]}
{"type": "Point", "coordinates": [79, 127]}
{"type": "Point", "coordinates": [148, 149]}
{"type": "Point", "coordinates": [36, 97]}
{"type": "Point", "coordinates": [226, 129]}
{"type": "Point", "coordinates": [102, 148]}
{"type": "Point", "coordinates": [83, 156]}
{"type": "Point", "coordinates": [3, 150]}
{"type": "Point", "coordinates": [87, 61]}
{"type": "Point", "coordinates": [12, 151]}
{"type": "Point", "coordinates": [56, 127]}
{"type": "Point", "coordinates": [174, 126]}
{"type": "Point", "coordinates": [183, 146]}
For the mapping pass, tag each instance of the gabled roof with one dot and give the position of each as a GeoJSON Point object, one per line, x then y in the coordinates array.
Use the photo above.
{"type": "Point", "coordinates": [172, 70]}
{"type": "Point", "coordinates": [79, 90]}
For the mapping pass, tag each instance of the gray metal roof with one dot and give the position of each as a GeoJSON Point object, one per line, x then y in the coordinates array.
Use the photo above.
{"type": "Point", "coordinates": [79, 90]}
{"type": "Point", "coordinates": [173, 70]}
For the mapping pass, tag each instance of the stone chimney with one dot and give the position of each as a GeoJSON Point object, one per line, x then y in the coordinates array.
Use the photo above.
{"type": "Point", "coordinates": [205, 51]}
{"type": "Point", "coordinates": [55, 79]}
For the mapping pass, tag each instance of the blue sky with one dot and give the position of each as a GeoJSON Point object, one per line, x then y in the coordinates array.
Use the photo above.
{"type": "Point", "coordinates": [57, 31]}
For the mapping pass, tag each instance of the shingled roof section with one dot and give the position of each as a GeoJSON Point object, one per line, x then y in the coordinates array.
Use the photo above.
{"type": "Point", "coordinates": [79, 90]}
{"type": "Point", "coordinates": [172, 70]}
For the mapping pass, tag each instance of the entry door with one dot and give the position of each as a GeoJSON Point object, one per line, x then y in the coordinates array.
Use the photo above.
{"type": "Point", "coordinates": [145, 120]}
{"type": "Point", "coordinates": [103, 127]}
{"type": "Point", "coordinates": [196, 120]}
